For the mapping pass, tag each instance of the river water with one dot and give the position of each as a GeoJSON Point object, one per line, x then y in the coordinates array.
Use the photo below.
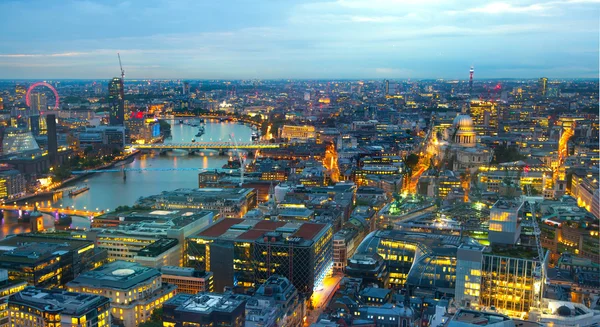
{"type": "Point", "coordinates": [109, 190]}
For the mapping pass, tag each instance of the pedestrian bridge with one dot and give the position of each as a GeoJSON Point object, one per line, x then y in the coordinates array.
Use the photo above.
{"type": "Point", "coordinates": [206, 145]}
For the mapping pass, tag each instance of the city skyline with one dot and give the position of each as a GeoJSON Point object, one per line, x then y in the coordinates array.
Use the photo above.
{"type": "Point", "coordinates": [300, 40]}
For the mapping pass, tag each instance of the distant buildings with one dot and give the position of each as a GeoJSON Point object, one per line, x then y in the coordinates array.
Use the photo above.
{"type": "Point", "coordinates": [134, 290]}
{"type": "Point", "coordinates": [292, 132]}
{"type": "Point", "coordinates": [143, 130]}
{"type": "Point", "coordinates": [99, 136]}
{"type": "Point", "coordinates": [36, 307]}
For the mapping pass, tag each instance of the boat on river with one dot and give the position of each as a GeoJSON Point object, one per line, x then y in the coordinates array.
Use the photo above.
{"type": "Point", "coordinates": [78, 190]}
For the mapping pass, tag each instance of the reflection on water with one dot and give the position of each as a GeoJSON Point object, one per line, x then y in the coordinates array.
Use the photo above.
{"type": "Point", "coordinates": [110, 190]}
{"type": "Point", "coordinates": [11, 224]}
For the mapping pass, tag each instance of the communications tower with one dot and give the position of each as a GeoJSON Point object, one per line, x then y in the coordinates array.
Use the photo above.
{"type": "Point", "coordinates": [471, 71]}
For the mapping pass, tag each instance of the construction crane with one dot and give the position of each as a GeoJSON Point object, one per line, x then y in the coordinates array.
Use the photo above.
{"type": "Point", "coordinates": [120, 65]}
{"type": "Point", "coordinates": [540, 270]}
{"type": "Point", "coordinates": [241, 158]}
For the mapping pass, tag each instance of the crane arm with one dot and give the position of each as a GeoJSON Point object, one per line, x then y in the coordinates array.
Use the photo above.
{"type": "Point", "coordinates": [120, 65]}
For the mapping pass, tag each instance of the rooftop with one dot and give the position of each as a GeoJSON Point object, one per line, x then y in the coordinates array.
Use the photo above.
{"type": "Point", "coordinates": [70, 303]}
{"type": "Point", "coordinates": [252, 229]}
{"type": "Point", "coordinates": [157, 247]}
{"type": "Point", "coordinates": [196, 195]}
{"type": "Point", "coordinates": [184, 271]}
{"type": "Point", "coordinates": [206, 302]}
{"type": "Point", "coordinates": [30, 249]}
{"type": "Point", "coordinates": [464, 318]}
{"type": "Point", "coordinates": [116, 275]}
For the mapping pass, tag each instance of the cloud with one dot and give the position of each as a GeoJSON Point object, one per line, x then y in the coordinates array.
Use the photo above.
{"type": "Point", "coordinates": [40, 55]}
{"type": "Point", "coordinates": [392, 72]}
{"type": "Point", "coordinates": [497, 8]}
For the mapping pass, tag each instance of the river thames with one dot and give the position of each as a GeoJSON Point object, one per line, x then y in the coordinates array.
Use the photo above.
{"type": "Point", "coordinates": [109, 190]}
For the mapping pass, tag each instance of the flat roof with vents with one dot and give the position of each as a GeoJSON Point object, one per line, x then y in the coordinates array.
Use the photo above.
{"type": "Point", "coordinates": [253, 229]}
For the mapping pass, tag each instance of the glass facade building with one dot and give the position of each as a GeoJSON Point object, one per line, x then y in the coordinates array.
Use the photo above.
{"type": "Point", "coordinates": [438, 266]}
{"type": "Point", "coordinates": [244, 252]}
{"type": "Point", "coordinates": [116, 100]}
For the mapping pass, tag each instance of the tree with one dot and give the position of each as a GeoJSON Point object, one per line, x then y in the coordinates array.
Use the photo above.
{"type": "Point", "coordinates": [504, 153]}
{"type": "Point", "coordinates": [61, 173]}
{"type": "Point", "coordinates": [411, 161]}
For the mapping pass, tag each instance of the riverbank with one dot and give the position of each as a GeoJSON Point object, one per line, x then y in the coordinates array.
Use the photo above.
{"type": "Point", "coordinates": [75, 178]}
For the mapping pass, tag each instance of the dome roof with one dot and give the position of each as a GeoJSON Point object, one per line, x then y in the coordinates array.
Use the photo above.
{"type": "Point", "coordinates": [463, 121]}
{"type": "Point", "coordinates": [563, 311]}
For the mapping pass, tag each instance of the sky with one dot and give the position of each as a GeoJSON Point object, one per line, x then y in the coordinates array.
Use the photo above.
{"type": "Point", "coordinates": [273, 39]}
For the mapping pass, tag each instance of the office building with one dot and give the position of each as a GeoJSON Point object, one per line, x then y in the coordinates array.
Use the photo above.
{"type": "Point", "coordinates": [510, 280]}
{"type": "Point", "coordinates": [18, 141]}
{"type": "Point", "coordinates": [292, 132]}
{"type": "Point", "coordinates": [110, 136]}
{"type": "Point", "coordinates": [7, 288]}
{"type": "Point", "coordinates": [433, 265]}
{"type": "Point", "coordinates": [134, 290]}
{"type": "Point", "coordinates": [116, 101]}
{"type": "Point", "coordinates": [38, 102]}
{"type": "Point", "coordinates": [143, 130]}
{"type": "Point", "coordinates": [34, 124]}
{"type": "Point", "coordinates": [345, 242]}
{"type": "Point", "coordinates": [504, 222]}
{"type": "Point", "coordinates": [494, 177]}
{"type": "Point", "coordinates": [46, 261]}
{"type": "Point", "coordinates": [188, 280]}
{"type": "Point", "coordinates": [245, 252]}
{"type": "Point", "coordinates": [150, 238]}
{"type": "Point", "coordinates": [229, 202]}
{"type": "Point", "coordinates": [275, 303]}
{"type": "Point", "coordinates": [52, 138]}
{"type": "Point", "coordinates": [485, 117]}
{"type": "Point", "coordinates": [36, 307]}
{"type": "Point", "coordinates": [543, 86]}
{"type": "Point", "coordinates": [12, 183]}
{"type": "Point", "coordinates": [474, 318]}
{"type": "Point", "coordinates": [205, 309]}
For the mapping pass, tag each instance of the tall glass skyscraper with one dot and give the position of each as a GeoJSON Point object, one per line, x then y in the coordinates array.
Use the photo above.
{"type": "Point", "coordinates": [116, 100]}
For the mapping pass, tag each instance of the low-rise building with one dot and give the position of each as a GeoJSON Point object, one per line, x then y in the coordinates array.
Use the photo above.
{"type": "Point", "coordinates": [565, 314]}
{"type": "Point", "coordinates": [46, 261]}
{"type": "Point", "coordinates": [134, 290]}
{"type": "Point", "coordinates": [151, 238]}
{"type": "Point", "coordinates": [7, 288]}
{"type": "Point", "coordinates": [188, 280]}
{"type": "Point", "coordinates": [229, 202]}
{"type": "Point", "coordinates": [205, 309]}
{"type": "Point", "coordinates": [276, 303]}
{"type": "Point", "coordinates": [36, 307]}
{"type": "Point", "coordinates": [12, 184]}
{"type": "Point", "coordinates": [292, 132]}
